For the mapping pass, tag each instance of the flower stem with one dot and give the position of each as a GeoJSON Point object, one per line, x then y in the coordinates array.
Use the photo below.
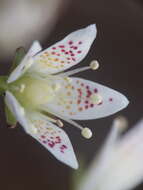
{"type": "Point", "coordinates": [3, 84]}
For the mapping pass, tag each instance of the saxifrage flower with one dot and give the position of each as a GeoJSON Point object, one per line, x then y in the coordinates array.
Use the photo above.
{"type": "Point", "coordinates": [38, 94]}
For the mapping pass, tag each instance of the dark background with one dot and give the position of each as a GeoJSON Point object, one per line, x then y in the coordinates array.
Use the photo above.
{"type": "Point", "coordinates": [25, 164]}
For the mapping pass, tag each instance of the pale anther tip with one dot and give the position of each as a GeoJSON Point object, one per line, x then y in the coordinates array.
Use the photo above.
{"type": "Point", "coordinates": [121, 122]}
{"type": "Point", "coordinates": [94, 65]}
{"type": "Point", "coordinates": [86, 133]}
{"type": "Point", "coordinates": [68, 79]}
{"type": "Point", "coordinates": [59, 123]}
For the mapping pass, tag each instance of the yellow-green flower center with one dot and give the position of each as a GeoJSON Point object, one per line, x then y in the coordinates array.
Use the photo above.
{"type": "Point", "coordinates": [32, 92]}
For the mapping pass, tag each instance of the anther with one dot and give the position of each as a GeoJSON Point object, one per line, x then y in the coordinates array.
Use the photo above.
{"type": "Point", "coordinates": [29, 63]}
{"type": "Point", "coordinates": [94, 65]}
{"type": "Point", "coordinates": [120, 122]}
{"type": "Point", "coordinates": [22, 87]}
{"type": "Point", "coordinates": [56, 86]}
{"type": "Point", "coordinates": [68, 79]}
{"type": "Point", "coordinates": [22, 112]}
{"type": "Point", "coordinates": [96, 98]}
{"type": "Point", "coordinates": [86, 133]}
{"type": "Point", "coordinates": [59, 123]}
{"type": "Point", "coordinates": [33, 129]}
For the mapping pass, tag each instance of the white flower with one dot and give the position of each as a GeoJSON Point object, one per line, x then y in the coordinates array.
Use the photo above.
{"type": "Point", "coordinates": [38, 92]}
{"type": "Point", "coordinates": [119, 164]}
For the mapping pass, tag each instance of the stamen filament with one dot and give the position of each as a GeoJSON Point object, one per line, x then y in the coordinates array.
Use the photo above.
{"type": "Point", "coordinates": [93, 65]}
{"type": "Point", "coordinates": [63, 118]}
{"type": "Point", "coordinates": [69, 73]}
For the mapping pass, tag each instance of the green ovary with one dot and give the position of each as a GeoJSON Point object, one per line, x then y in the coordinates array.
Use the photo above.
{"type": "Point", "coordinates": [32, 92]}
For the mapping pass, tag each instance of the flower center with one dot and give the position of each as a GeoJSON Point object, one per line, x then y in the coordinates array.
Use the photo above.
{"type": "Point", "coordinates": [32, 92]}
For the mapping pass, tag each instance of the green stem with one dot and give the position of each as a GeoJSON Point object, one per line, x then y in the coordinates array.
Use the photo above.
{"type": "Point", "coordinates": [3, 84]}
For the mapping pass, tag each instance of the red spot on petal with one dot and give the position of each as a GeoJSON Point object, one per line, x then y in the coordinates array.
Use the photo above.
{"type": "Point", "coordinates": [75, 47]}
{"type": "Point", "coordinates": [78, 51]}
{"type": "Point", "coordinates": [61, 46]}
{"type": "Point", "coordinates": [80, 42]}
{"type": "Point", "coordinates": [86, 107]}
{"type": "Point", "coordinates": [51, 144]}
{"type": "Point", "coordinates": [91, 105]}
{"type": "Point", "coordinates": [100, 103]}
{"type": "Point", "coordinates": [110, 99]}
{"type": "Point", "coordinates": [70, 42]}
{"type": "Point", "coordinates": [95, 90]}
{"type": "Point", "coordinates": [53, 47]}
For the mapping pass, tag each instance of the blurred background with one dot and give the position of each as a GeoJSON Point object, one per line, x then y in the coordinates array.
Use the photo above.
{"type": "Point", "coordinates": [25, 164]}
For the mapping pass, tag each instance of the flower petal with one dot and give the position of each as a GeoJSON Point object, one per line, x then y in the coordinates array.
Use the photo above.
{"type": "Point", "coordinates": [50, 136]}
{"type": "Point", "coordinates": [54, 139]}
{"type": "Point", "coordinates": [66, 53]}
{"type": "Point", "coordinates": [16, 109]}
{"type": "Point", "coordinates": [78, 99]}
{"type": "Point", "coordinates": [23, 66]}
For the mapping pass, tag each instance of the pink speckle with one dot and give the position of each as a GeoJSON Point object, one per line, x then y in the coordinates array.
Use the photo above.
{"type": "Point", "coordinates": [53, 53]}
{"type": "Point", "coordinates": [75, 47]}
{"type": "Point", "coordinates": [51, 144]}
{"type": "Point", "coordinates": [58, 139]}
{"type": "Point", "coordinates": [72, 54]}
{"type": "Point", "coordinates": [61, 46]}
{"type": "Point", "coordinates": [110, 99]}
{"type": "Point", "coordinates": [78, 51]}
{"type": "Point", "coordinates": [86, 107]}
{"type": "Point", "coordinates": [91, 105]}
{"type": "Point", "coordinates": [42, 136]}
{"type": "Point", "coordinates": [80, 42]}
{"type": "Point", "coordinates": [58, 54]}
{"type": "Point", "coordinates": [87, 87]}
{"type": "Point", "coordinates": [53, 47]}
{"type": "Point", "coordinates": [44, 142]}
{"type": "Point", "coordinates": [95, 90]}
{"type": "Point", "coordinates": [86, 102]}
{"type": "Point", "coordinates": [66, 52]}
{"type": "Point", "coordinates": [73, 59]}
{"type": "Point", "coordinates": [62, 50]}
{"type": "Point", "coordinates": [70, 42]}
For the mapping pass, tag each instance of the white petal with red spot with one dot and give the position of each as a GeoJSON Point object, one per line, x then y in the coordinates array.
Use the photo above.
{"type": "Point", "coordinates": [82, 99]}
{"type": "Point", "coordinates": [66, 53]}
{"type": "Point", "coordinates": [54, 139]}
{"type": "Point", "coordinates": [50, 136]}
{"type": "Point", "coordinates": [23, 66]}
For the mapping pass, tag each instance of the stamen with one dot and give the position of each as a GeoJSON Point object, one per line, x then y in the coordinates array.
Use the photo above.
{"type": "Point", "coordinates": [96, 99]}
{"type": "Point", "coordinates": [93, 65]}
{"type": "Point", "coordinates": [68, 79]}
{"type": "Point", "coordinates": [22, 111]}
{"type": "Point", "coordinates": [120, 123]}
{"type": "Point", "coordinates": [56, 87]}
{"type": "Point", "coordinates": [28, 65]}
{"type": "Point", "coordinates": [63, 118]}
{"type": "Point", "coordinates": [86, 132]}
{"type": "Point", "coordinates": [22, 87]}
{"type": "Point", "coordinates": [33, 129]}
{"type": "Point", "coordinates": [60, 123]}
